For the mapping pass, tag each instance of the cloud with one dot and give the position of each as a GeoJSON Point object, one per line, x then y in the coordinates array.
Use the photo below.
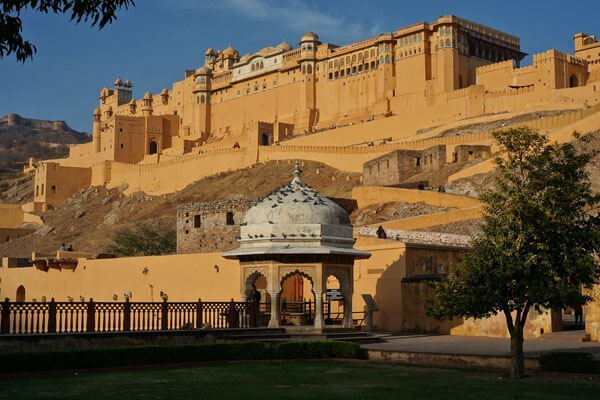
{"type": "Point", "coordinates": [293, 15]}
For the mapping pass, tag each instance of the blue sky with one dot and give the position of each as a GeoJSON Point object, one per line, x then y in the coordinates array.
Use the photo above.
{"type": "Point", "coordinates": [153, 43]}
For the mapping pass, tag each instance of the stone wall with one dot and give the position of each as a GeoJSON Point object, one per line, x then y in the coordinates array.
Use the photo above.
{"type": "Point", "coordinates": [210, 226]}
{"type": "Point", "coordinates": [466, 152]}
{"type": "Point", "coordinates": [397, 166]}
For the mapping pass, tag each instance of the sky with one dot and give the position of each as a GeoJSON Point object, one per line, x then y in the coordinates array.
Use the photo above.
{"type": "Point", "coordinates": [154, 43]}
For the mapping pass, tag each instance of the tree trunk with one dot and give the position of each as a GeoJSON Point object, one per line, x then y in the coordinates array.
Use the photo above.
{"type": "Point", "coordinates": [517, 362]}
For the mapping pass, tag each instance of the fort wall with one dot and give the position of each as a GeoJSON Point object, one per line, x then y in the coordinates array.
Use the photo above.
{"type": "Point", "coordinates": [367, 195]}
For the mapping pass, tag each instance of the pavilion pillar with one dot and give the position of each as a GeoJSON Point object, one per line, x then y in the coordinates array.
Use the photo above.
{"type": "Point", "coordinates": [319, 322]}
{"type": "Point", "coordinates": [275, 317]}
{"type": "Point", "coordinates": [348, 322]}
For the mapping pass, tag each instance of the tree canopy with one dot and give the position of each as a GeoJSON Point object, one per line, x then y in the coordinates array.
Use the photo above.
{"type": "Point", "coordinates": [540, 234]}
{"type": "Point", "coordinates": [97, 12]}
{"type": "Point", "coordinates": [143, 240]}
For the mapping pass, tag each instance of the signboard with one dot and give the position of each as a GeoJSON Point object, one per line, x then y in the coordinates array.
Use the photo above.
{"type": "Point", "coordinates": [334, 294]}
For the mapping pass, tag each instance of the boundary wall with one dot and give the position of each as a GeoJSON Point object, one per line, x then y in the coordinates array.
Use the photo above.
{"type": "Point", "coordinates": [428, 220]}
{"type": "Point", "coordinates": [367, 195]}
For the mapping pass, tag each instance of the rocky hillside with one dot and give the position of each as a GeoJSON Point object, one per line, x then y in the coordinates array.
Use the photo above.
{"type": "Point", "coordinates": [90, 218]}
{"type": "Point", "coordinates": [21, 138]}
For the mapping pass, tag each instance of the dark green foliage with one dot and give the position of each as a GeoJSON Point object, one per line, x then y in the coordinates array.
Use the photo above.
{"type": "Point", "coordinates": [538, 242]}
{"type": "Point", "coordinates": [98, 12]}
{"type": "Point", "coordinates": [318, 349]}
{"type": "Point", "coordinates": [148, 355]}
{"type": "Point", "coordinates": [130, 356]}
{"type": "Point", "coordinates": [583, 363]}
{"type": "Point", "coordinates": [144, 240]}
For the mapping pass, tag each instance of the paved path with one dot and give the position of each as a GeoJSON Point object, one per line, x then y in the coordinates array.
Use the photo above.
{"type": "Point", "coordinates": [446, 344]}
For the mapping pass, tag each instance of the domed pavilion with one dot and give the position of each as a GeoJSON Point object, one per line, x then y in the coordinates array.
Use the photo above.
{"type": "Point", "coordinates": [296, 231]}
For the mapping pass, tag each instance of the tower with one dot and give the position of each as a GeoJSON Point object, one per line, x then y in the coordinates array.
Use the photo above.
{"type": "Point", "coordinates": [308, 54]}
{"type": "Point", "coordinates": [96, 136]}
{"type": "Point", "coordinates": [201, 90]}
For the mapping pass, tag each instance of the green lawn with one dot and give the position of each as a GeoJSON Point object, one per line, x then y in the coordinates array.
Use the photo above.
{"type": "Point", "coordinates": [298, 380]}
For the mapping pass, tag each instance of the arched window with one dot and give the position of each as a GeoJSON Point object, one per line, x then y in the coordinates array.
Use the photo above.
{"type": "Point", "coordinates": [202, 99]}
{"type": "Point", "coordinates": [381, 60]}
{"type": "Point", "coordinates": [304, 70]}
{"type": "Point", "coordinates": [330, 75]}
{"type": "Point", "coordinates": [348, 71]}
{"type": "Point", "coordinates": [153, 147]}
{"type": "Point", "coordinates": [252, 67]}
{"type": "Point", "coordinates": [37, 190]}
{"type": "Point", "coordinates": [387, 59]}
{"type": "Point", "coordinates": [448, 43]}
{"type": "Point", "coordinates": [372, 64]}
{"type": "Point", "coordinates": [342, 73]}
{"type": "Point", "coordinates": [20, 293]}
{"type": "Point", "coordinates": [309, 69]}
{"type": "Point", "coordinates": [573, 81]}
{"type": "Point", "coordinates": [336, 74]}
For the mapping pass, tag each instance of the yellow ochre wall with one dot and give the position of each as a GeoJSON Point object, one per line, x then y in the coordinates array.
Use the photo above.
{"type": "Point", "coordinates": [11, 215]}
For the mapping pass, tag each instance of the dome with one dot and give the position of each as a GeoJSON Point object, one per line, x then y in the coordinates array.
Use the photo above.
{"type": "Point", "coordinates": [284, 46]}
{"type": "Point", "coordinates": [164, 92]}
{"type": "Point", "coordinates": [128, 84]}
{"type": "Point", "coordinates": [104, 92]}
{"type": "Point", "coordinates": [97, 111]}
{"type": "Point", "coordinates": [296, 203]}
{"type": "Point", "coordinates": [230, 52]}
{"type": "Point", "coordinates": [209, 52]}
{"type": "Point", "coordinates": [295, 219]}
{"type": "Point", "coordinates": [203, 71]}
{"type": "Point", "coordinates": [132, 102]}
{"type": "Point", "coordinates": [118, 82]}
{"type": "Point", "coordinates": [148, 96]}
{"type": "Point", "coordinates": [309, 37]}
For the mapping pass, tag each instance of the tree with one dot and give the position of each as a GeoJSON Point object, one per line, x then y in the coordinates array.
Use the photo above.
{"type": "Point", "coordinates": [144, 240]}
{"type": "Point", "coordinates": [538, 242]}
{"type": "Point", "coordinates": [98, 12]}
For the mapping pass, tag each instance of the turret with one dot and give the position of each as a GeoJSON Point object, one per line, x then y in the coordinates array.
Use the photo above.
{"type": "Point", "coordinates": [147, 104]}
{"type": "Point", "coordinates": [96, 137]}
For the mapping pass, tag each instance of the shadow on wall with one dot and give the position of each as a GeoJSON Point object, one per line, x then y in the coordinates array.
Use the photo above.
{"type": "Point", "coordinates": [401, 300]}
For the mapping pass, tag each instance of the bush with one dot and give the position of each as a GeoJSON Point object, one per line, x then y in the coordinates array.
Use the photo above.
{"type": "Point", "coordinates": [568, 362]}
{"type": "Point", "coordinates": [318, 349]}
{"type": "Point", "coordinates": [149, 355]}
{"type": "Point", "coordinates": [131, 356]}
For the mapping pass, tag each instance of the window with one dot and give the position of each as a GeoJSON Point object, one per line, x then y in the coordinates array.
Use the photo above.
{"type": "Point", "coordinates": [418, 162]}
{"type": "Point", "coordinates": [197, 221]}
{"type": "Point", "coordinates": [229, 218]}
{"type": "Point", "coordinates": [121, 145]}
{"type": "Point", "coordinates": [53, 189]}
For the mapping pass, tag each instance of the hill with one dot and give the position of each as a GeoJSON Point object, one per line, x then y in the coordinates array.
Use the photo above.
{"type": "Point", "coordinates": [89, 218]}
{"type": "Point", "coordinates": [21, 138]}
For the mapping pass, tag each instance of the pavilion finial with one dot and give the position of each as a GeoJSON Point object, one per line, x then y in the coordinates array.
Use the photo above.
{"type": "Point", "coordinates": [297, 170]}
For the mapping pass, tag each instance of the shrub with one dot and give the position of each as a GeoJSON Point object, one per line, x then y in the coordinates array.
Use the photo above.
{"type": "Point", "coordinates": [568, 362]}
{"type": "Point", "coordinates": [149, 355]}
{"type": "Point", "coordinates": [318, 349]}
{"type": "Point", "coordinates": [131, 356]}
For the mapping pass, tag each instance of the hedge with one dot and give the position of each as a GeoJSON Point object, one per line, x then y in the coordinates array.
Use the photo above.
{"type": "Point", "coordinates": [149, 355]}
{"type": "Point", "coordinates": [318, 349]}
{"type": "Point", "coordinates": [569, 362]}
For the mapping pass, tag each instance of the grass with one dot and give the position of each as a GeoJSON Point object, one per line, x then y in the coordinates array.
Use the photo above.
{"type": "Point", "coordinates": [298, 380]}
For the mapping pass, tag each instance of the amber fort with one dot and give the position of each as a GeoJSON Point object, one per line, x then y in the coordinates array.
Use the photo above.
{"type": "Point", "coordinates": [390, 107]}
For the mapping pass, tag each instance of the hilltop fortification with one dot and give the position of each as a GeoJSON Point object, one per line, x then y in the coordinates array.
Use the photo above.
{"type": "Point", "coordinates": [342, 105]}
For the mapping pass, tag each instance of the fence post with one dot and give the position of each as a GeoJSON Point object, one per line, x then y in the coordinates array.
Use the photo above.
{"type": "Point", "coordinates": [232, 316]}
{"type": "Point", "coordinates": [199, 314]}
{"type": "Point", "coordinates": [52, 316]}
{"type": "Point", "coordinates": [253, 311]}
{"type": "Point", "coordinates": [126, 315]}
{"type": "Point", "coordinates": [5, 324]}
{"type": "Point", "coordinates": [164, 315]}
{"type": "Point", "coordinates": [91, 316]}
